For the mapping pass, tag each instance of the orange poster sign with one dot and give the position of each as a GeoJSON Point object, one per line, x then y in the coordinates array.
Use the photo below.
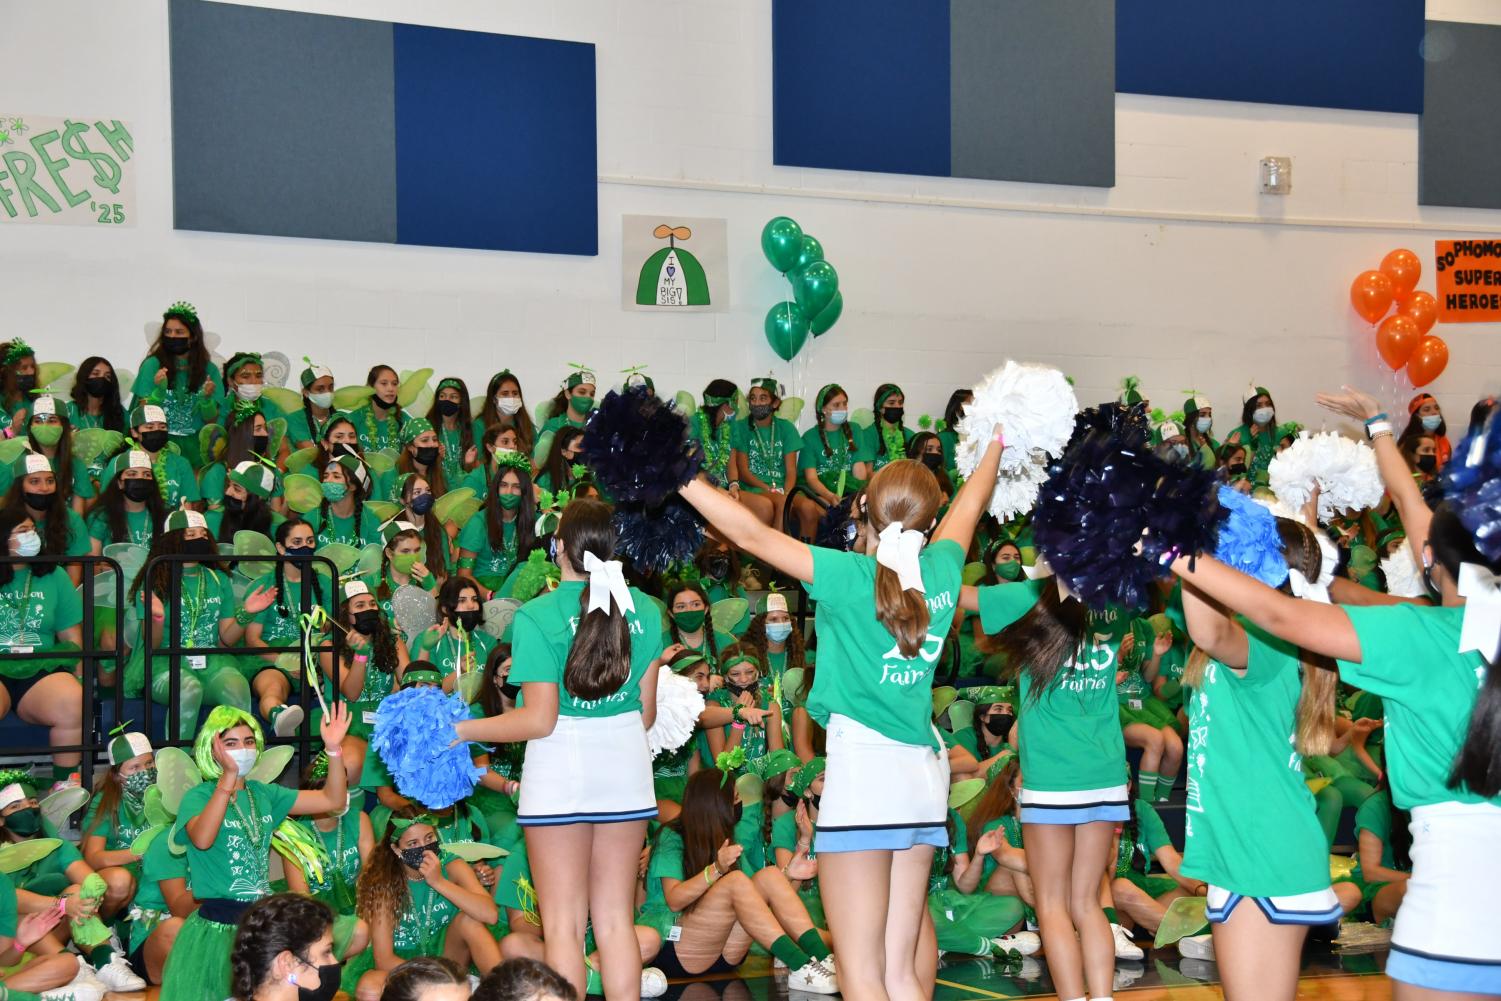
{"type": "Point", "coordinates": [1469, 280]}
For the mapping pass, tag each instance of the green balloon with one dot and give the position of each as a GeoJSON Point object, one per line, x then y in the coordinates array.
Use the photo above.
{"type": "Point", "coordinates": [814, 287]}
{"type": "Point", "coordinates": [821, 323]}
{"type": "Point", "coordinates": [781, 242]}
{"type": "Point", "coordinates": [810, 251]}
{"type": "Point", "coordinates": [786, 329]}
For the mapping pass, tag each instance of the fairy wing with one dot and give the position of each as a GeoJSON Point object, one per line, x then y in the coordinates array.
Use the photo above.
{"type": "Point", "coordinates": [469, 686]}
{"type": "Point", "coordinates": [961, 714]}
{"type": "Point", "coordinates": [91, 443]}
{"type": "Point", "coordinates": [451, 505]}
{"type": "Point", "coordinates": [303, 492]}
{"type": "Point", "coordinates": [276, 433]}
{"type": "Point", "coordinates": [271, 763]}
{"type": "Point", "coordinates": [22, 854]}
{"type": "Point", "coordinates": [542, 447]}
{"type": "Point", "coordinates": [143, 840]}
{"type": "Point", "coordinates": [476, 407]}
{"type": "Point", "coordinates": [131, 559]}
{"type": "Point", "coordinates": [384, 510]}
{"type": "Point", "coordinates": [369, 560]}
{"type": "Point", "coordinates": [473, 851]}
{"type": "Point", "coordinates": [751, 787]}
{"type": "Point", "coordinates": [352, 397]}
{"type": "Point", "coordinates": [49, 372]}
{"type": "Point", "coordinates": [248, 545]}
{"type": "Point", "coordinates": [343, 557]}
{"type": "Point", "coordinates": [1185, 916]}
{"type": "Point", "coordinates": [960, 793]}
{"type": "Point", "coordinates": [276, 367]}
{"type": "Point", "coordinates": [412, 386]}
{"type": "Point", "coordinates": [176, 773]}
{"type": "Point", "coordinates": [288, 400]}
{"type": "Point", "coordinates": [862, 418]}
{"type": "Point", "coordinates": [382, 461]}
{"type": "Point", "coordinates": [943, 697]}
{"type": "Point", "coordinates": [498, 613]}
{"type": "Point", "coordinates": [726, 613]}
{"type": "Point", "coordinates": [684, 403]}
{"type": "Point", "coordinates": [791, 409]}
{"type": "Point", "coordinates": [973, 574]}
{"type": "Point", "coordinates": [151, 806]}
{"type": "Point", "coordinates": [300, 460]}
{"type": "Point", "coordinates": [540, 412]}
{"type": "Point", "coordinates": [414, 609]}
{"type": "Point", "coordinates": [61, 805]}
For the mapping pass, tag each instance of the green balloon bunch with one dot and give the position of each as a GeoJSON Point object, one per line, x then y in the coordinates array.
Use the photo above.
{"type": "Point", "coordinates": [816, 302]}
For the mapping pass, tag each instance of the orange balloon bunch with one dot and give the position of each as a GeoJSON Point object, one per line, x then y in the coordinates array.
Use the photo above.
{"type": "Point", "coordinates": [1402, 338]}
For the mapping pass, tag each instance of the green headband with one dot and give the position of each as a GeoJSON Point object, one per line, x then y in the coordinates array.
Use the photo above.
{"type": "Point", "coordinates": [414, 427]}
{"type": "Point", "coordinates": [238, 363]}
{"type": "Point", "coordinates": [16, 350]}
{"type": "Point", "coordinates": [804, 778]}
{"type": "Point", "coordinates": [891, 391]}
{"type": "Point", "coordinates": [684, 663]}
{"type": "Point", "coordinates": [989, 695]}
{"type": "Point", "coordinates": [769, 384]}
{"type": "Point", "coordinates": [449, 383]}
{"type": "Point", "coordinates": [740, 658]}
{"type": "Point", "coordinates": [421, 676]}
{"type": "Point", "coordinates": [716, 401]}
{"type": "Point", "coordinates": [401, 825]}
{"type": "Point", "coordinates": [774, 763]}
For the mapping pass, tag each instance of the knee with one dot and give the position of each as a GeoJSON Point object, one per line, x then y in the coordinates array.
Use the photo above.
{"type": "Point", "coordinates": [371, 986]}
{"type": "Point", "coordinates": [119, 884]}
{"type": "Point", "coordinates": [737, 881]}
{"type": "Point", "coordinates": [358, 939]}
{"type": "Point", "coordinates": [769, 879]}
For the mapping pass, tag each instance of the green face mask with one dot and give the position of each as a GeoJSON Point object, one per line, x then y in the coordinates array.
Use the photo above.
{"type": "Point", "coordinates": [335, 492]}
{"type": "Point", "coordinates": [508, 502]}
{"type": "Point", "coordinates": [582, 404]}
{"type": "Point", "coordinates": [1009, 571]}
{"type": "Point", "coordinates": [402, 563]}
{"type": "Point", "coordinates": [47, 435]}
{"type": "Point", "coordinates": [25, 822]}
{"type": "Point", "coordinates": [689, 622]}
{"type": "Point", "coordinates": [136, 784]}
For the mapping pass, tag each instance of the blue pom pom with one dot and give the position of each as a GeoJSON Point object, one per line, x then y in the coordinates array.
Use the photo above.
{"type": "Point", "coordinates": [1249, 540]}
{"type": "Point", "coordinates": [1472, 487]}
{"type": "Point", "coordinates": [414, 729]}
{"type": "Point", "coordinates": [654, 538]}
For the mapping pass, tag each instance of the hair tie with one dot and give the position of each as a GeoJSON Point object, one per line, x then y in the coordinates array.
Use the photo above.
{"type": "Point", "coordinates": [607, 584]}
{"type": "Point", "coordinates": [898, 550]}
{"type": "Point", "coordinates": [1481, 629]}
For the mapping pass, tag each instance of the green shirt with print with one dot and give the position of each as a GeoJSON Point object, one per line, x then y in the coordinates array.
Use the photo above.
{"type": "Point", "coordinates": [830, 454]}
{"type": "Point", "coordinates": [446, 649]}
{"type": "Point", "coordinates": [885, 443]}
{"type": "Point", "coordinates": [766, 449]}
{"type": "Point", "coordinates": [491, 565]}
{"type": "Point", "coordinates": [334, 528]}
{"type": "Point", "coordinates": [139, 530]}
{"type": "Point", "coordinates": [34, 608]}
{"type": "Point", "coordinates": [235, 866]}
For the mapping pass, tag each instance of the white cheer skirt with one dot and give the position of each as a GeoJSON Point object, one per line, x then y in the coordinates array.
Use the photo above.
{"type": "Point", "coordinates": [589, 770]}
{"type": "Point", "coordinates": [880, 794]}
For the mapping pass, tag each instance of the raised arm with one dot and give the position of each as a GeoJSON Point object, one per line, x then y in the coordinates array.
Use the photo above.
{"type": "Point", "coordinates": [744, 530]}
{"type": "Point", "coordinates": [1395, 475]}
{"type": "Point", "coordinates": [1213, 630]}
{"type": "Point", "coordinates": [964, 513]}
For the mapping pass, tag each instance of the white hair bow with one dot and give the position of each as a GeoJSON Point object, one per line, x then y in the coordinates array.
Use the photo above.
{"type": "Point", "coordinates": [1481, 630]}
{"type": "Point", "coordinates": [897, 550]}
{"type": "Point", "coordinates": [607, 583]}
{"type": "Point", "coordinates": [1305, 588]}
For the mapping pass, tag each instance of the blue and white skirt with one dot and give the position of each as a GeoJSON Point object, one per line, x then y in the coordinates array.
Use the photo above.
{"type": "Point", "coordinates": [589, 770]}
{"type": "Point", "coordinates": [880, 794]}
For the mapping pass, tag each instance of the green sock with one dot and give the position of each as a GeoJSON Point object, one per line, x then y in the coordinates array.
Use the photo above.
{"type": "Point", "coordinates": [101, 955]}
{"type": "Point", "coordinates": [1146, 786]}
{"type": "Point", "coordinates": [812, 943]}
{"type": "Point", "coordinates": [1164, 788]}
{"type": "Point", "coordinates": [61, 773]}
{"type": "Point", "coordinates": [787, 951]}
{"type": "Point", "coordinates": [1111, 916]}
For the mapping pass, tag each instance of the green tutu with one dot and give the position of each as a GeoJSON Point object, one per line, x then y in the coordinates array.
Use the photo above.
{"type": "Point", "coordinates": [1152, 886]}
{"type": "Point", "coordinates": [198, 965]}
{"type": "Point", "coordinates": [21, 669]}
{"type": "Point", "coordinates": [1153, 712]}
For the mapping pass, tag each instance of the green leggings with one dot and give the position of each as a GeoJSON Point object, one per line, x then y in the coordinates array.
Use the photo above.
{"type": "Point", "coordinates": [967, 922]}
{"type": "Point", "coordinates": [221, 682]}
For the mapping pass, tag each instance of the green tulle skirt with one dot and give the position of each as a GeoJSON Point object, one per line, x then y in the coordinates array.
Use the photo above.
{"type": "Point", "coordinates": [198, 965]}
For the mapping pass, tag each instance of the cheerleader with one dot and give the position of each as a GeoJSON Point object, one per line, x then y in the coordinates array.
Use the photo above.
{"type": "Point", "coordinates": [888, 777]}
{"type": "Point", "coordinates": [227, 823]}
{"type": "Point", "coordinates": [178, 376]}
{"type": "Point", "coordinates": [1440, 705]}
{"type": "Point", "coordinates": [305, 426]}
{"type": "Point", "coordinates": [586, 658]}
{"type": "Point", "coordinates": [283, 951]}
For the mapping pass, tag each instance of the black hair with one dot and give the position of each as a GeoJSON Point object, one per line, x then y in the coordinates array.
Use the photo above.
{"type": "Point", "coordinates": [718, 388]}
{"type": "Point", "coordinates": [285, 922]}
{"type": "Point", "coordinates": [111, 410]}
{"type": "Point", "coordinates": [1249, 407]}
{"type": "Point", "coordinates": [522, 980]}
{"type": "Point", "coordinates": [526, 513]}
{"type": "Point", "coordinates": [309, 572]}
{"type": "Point", "coordinates": [196, 358]}
{"type": "Point", "coordinates": [54, 533]}
{"type": "Point", "coordinates": [951, 410]}
{"type": "Point", "coordinates": [407, 981]}
{"type": "Point", "coordinates": [465, 422]}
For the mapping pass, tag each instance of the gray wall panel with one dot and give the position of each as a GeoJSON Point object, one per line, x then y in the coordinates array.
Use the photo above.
{"type": "Point", "coordinates": [1459, 145]}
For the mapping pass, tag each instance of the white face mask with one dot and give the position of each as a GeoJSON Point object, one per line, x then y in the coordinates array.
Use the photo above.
{"type": "Point", "coordinates": [508, 405]}
{"type": "Point", "coordinates": [28, 543]}
{"type": "Point", "coordinates": [244, 758]}
{"type": "Point", "coordinates": [249, 391]}
{"type": "Point", "coordinates": [1203, 424]}
{"type": "Point", "coordinates": [838, 417]}
{"type": "Point", "coordinates": [1263, 415]}
{"type": "Point", "coordinates": [321, 400]}
{"type": "Point", "coordinates": [1432, 421]}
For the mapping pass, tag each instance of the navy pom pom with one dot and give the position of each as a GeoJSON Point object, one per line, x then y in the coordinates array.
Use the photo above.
{"type": "Point", "coordinates": [1110, 492]}
{"type": "Point", "coordinates": [1472, 486]}
{"type": "Point", "coordinates": [414, 729]}
{"type": "Point", "coordinates": [836, 528]}
{"type": "Point", "coordinates": [1249, 540]}
{"type": "Point", "coordinates": [654, 538]}
{"type": "Point", "coordinates": [638, 449]}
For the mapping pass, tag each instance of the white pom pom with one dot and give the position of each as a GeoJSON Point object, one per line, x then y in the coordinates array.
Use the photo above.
{"type": "Point", "coordinates": [1035, 408]}
{"type": "Point", "coordinates": [1403, 578]}
{"type": "Point", "coordinates": [679, 706]}
{"type": "Point", "coordinates": [1343, 469]}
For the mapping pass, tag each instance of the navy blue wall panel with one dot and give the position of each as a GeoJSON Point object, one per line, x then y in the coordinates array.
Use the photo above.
{"type": "Point", "coordinates": [861, 85]}
{"type": "Point", "coordinates": [1357, 54]}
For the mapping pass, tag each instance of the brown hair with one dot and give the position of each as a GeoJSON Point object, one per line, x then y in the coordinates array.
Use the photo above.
{"type": "Point", "coordinates": [599, 659]}
{"type": "Point", "coordinates": [902, 491]}
{"type": "Point", "coordinates": [382, 886]}
{"type": "Point", "coordinates": [1044, 639]}
{"type": "Point", "coordinates": [707, 820]}
{"type": "Point", "coordinates": [1315, 714]}
{"type": "Point", "coordinates": [996, 801]}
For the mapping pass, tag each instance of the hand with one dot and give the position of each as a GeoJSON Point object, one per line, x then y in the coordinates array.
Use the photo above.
{"type": "Point", "coordinates": [442, 628]}
{"type": "Point", "coordinates": [802, 868]}
{"type": "Point", "coordinates": [419, 571]}
{"type": "Point", "coordinates": [208, 387]}
{"type": "Point", "coordinates": [431, 870]}
{"type": "Point", "coordinates": [1128, 641]}
{"type": "Point", "coordinates": [643, 861]}
{"type": "Point", "coordinates": [716, 682]}
{"type": "Point", "coordinates": [990, 842]}
{"type": "Point", "coordinates": [804, 822]}
{"type": "Point", "coordinates": [747, 700]}
{"type": "Point", "coordinates": [1163, 645]}
{"type": "Point", "coordinates": [33, 928]}
{"type": "Point", "coordinates": [754, 716]}
{"type": "Point", "coordinates": [1202, 890]}
{"type": "Point", "coordinates": [734, 490]}
{"type": "Point", "coordinates": [161, 377]}
{"type": "Point", "coordinates": [259, 600]}
{"type": "Point", "coordinates": [671, 652]}
{"type": "Point", "coordinates": [1120, 677]}
{"type": "Point", "coordinates": [226, 763]}
{"type": "Point", "coordinates": [1311, 508]}
{"type": "Point", "coordinates": [357, 640]}
{"type": "Point", "coordinates": [76, 907]}
{"type": "Point", "coordinates": [333, 726]}
{"type": "Point", "coordinates": [960, 865]}
{"type": "Point", "coordinates": [470, 455]}
{"type": "Point", "coordinates": [485, 875]}
{"type": "Point", "coordinates": [1351, 403]}
{"type": "Point", "coordinates": [727, 857]}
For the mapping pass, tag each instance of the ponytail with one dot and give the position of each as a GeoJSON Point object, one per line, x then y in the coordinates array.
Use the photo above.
{"type": "Point", "coordinates": [1315, 716]}
{"type": "Point", "coordinates": [599, 659]}
{"type": "Point", "coordinates": [903, 491]}
{"type": "Point", "coordinates": [903, 613]}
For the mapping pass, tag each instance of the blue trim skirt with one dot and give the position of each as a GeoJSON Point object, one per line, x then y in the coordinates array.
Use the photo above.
{"type": "Point", "coordinates": [894, 838]}
{"type": "Point", "coordinates": [1441, 974]}
{"type": "Point", "coordinates": [557, 820]}
{"type": "Point", "coordinates": [1072, 816]}
{"type": "Point", "coordinates": [589, 770]}
{"type": "Point", "coordinates": [1318, 908]}
{"type": "Point", "coordinates": [880, 794]}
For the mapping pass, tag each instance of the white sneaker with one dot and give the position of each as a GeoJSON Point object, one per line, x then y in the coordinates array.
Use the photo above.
{"type": "Point", "coordinates": [116, 975]}
{"type": "Point", "coordinates": [653, 982]}
{"type": "Point", "coordinates": [1197, 947]}
{"type": "Point", "coordinates": [777, 964]}
{"type": "Point", "coordinates": [828, 964]}
{"type": "Point", "coordinates": [74, 992]}
{"type": "Point", "coordinates": [1031, 969]}
{"type": "Point", "coordinates": [812, 978]}
{"type": "Point", "coordinates": [286, 719]}
{"type": "Point", "coordinates": [1026, 943]}
{"type": "Point", "coordinates": [1124, 947]}
{"type": "Point", "coordinates": [1127, 974]}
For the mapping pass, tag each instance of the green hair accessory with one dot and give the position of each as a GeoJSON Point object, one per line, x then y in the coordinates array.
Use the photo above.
{"type": "Point", "coordinates": [183, 310]}
{"type": "Point", "coordinates": [16, 350]}
{"type": "Point", "coordinates": [774, 763]}
{"type": "Point", "coordinates": [740, 658]}
{"type": "Point", "coordinates": [421, 676]}
{"type": "Point", "coordinates": [727, 762]}
{"type": "Point", "coordinates": [682, 664]}
{"type": "Point", "coordinates": [319, 769]}
{"type": "Point", "coordinates": [414, 427]}
{"type": "Point", "coordinates": [513, 460]}
{"type": "Point", "coordinates": [422, 818]}
{"type": "Point", "coordinates": [245, 358]}
{"type": "Point", "coordinates": [803, 780]}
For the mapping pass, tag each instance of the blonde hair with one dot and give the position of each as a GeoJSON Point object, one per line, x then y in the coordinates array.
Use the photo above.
{"type": "Point", "coordinates": [903, 491]}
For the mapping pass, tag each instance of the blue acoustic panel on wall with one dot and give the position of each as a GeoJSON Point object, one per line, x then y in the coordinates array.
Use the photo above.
{"type": "Point", "coordinates": [281, 123]}
{"type": "Point", "coordinates": [861, 85]}
{"type": "Point", "coordinates": [1459, 145]}
{"type": "Point", "coordinates": [495, 142]}
{"type": "Point", "coordinates": [1357, 54]}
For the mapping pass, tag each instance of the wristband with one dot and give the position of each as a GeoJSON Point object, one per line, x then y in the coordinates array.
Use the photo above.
{"type": "Point", "coordinates": [243, 617]}
{"type": "Point", "coordinates": [735, 714]}
{"type": "Point", "coordinates": [737, 726]}
{"type": "Point", "coordinates": [361, 658]}
{"type": "Point", "coordinates": [1374, 428]}
{"type": "Point", "coordinates": [1374, 418]}
{"type": "Point", "coordinates": [333, 752]}
{"type": "Point", "coordinates": [999, 439]}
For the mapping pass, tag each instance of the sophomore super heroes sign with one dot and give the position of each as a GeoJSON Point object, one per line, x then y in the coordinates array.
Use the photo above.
{"type": "Point", "coordinates": [1469, 280]}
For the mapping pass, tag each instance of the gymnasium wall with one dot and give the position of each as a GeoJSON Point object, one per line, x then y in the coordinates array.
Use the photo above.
{"type": "Point", "coordinates": [1182, 272]}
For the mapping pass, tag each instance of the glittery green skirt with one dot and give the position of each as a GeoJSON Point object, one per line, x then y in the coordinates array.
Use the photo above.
{"type": "Point", "coordinates": [198, 965]}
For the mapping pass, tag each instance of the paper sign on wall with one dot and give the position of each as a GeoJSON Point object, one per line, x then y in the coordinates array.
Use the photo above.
{"type": "Point", "coordinates": [672, 264]}
{"type": "Point", "coordinates": [1469, 280]}
{"type": "Point", "coordinates": [73, 172]}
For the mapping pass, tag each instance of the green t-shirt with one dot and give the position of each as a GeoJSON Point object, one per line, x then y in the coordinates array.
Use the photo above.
{"type": "Point", "coordinates": [667, 855]}
{"type": "Point", "coordinates": [543, 633]}
{"type": "Point", "coordinates": [1409, 657]}
{"type": "Point", "coordinates": [79, 543]}
{"type": "Point", "coordinates": [138, 527]}
{"type": "Point", "coordinates": [1375, 815]}
{"type": "Point", "coordinates": [1150, 836]}
{"type": "Point", "coordinates": [375, 433]}
{"type": "Point", "coordinates": [862, 673]}
{"type": "Point", "coordinates": [445, 650]}
{"type": "Point", "coordinates": [491, 566]}
{"type": "Point", "coordinates": [831, 455]}
{"type": "Point", "coordinates": [158, 864]}
{"type": "Point", "coordinates": [424, 922]}
{"type": "Point", "coordinates": [207, 597]}
{"type": "Point", "coordinates": [344, 530]}
{"type": "Point", "coordinates": [279, 620]}
{"type": "Point", "coordinates": [1250, 822]}
{"type": "Point", "coordinates": [1011, 830]}
{"type": "Point", "coordinates": [766, 449]}
{"type": "Point", "coordinates": [7, 907]}
{"type": "Point", "coordinates": [182, 483]}
{"type": "Point", "coordinates": [119, 831]}
{"type": "Point", "coordinates": [33, 610]}
{"type": "Point", "coordinates": [879, 434]}
{"type": "Point", "coordinates": [299, 431]}
{"type": "Point", "coordinates": [235, 866]}
{"type": "Point", "coordinates": [187, 407]}
{"type": "Point", "coordinates": [336, 887]}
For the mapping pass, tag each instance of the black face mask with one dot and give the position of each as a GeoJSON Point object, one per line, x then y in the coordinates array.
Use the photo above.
{"type": "Point", "coordinates": [260, 442]}
{"type": "Point", "coordinates": [137, 490]}
{"type": "Point", "coordinates": [383, 404]}
{"type": "Point", "coordinates": [412, 857]}
{"type": "Point", "coordinates": [234, 505]}
{"type": "Point", "coordinates": [1235, 468]}
{"type": "Point", "coordinates": [816, 799]}
{"type": "Point", "coordinates": [892, 415]}
{"type": "Point", "coordinates": [448, 408]}
{"type": "Point", "coordinates": [1427, 463]}
{"type": "Point", "coordinates": [718, 567]}
{"type": "Point", "coordinates": [509, 690]}
{"type": "Point", "coordinates": [153, 441]}
{"type": "Point", "coordinates": [197, 547]}
{"type": "Point", "coordinates": [367, 622]}
{"type": "Point", "coordinates": [469, 618]}
{"type": "Point", "coordinates": [739, 811]}
{"type": "Point", "coordinates": [25, 384]}
{"type": "Point", "coordinates": [427, 455]}
{"type": "Point", "coordinates": [38, 502]}
{"type": "Point", "coordinates": [177, 345]}
{"type": "Point", "coordinates": [328, 984]}
{"type": "Point", "coordinates": [760, 411]}
{"type": "Point", "coordinates": [301, 552]}
{"type": "Point", "coordinates": [735, 689]}
{"type": "Point", "coordinates": [999, 726]}
{"type": "Point", "coordinates": [96, 387]}
{"type": "Point", "coordinates": [342, 448]}
{"type": "Point", "coordinates": [933, 460]}
{"type": "Point", "coordinates": [789, 798]}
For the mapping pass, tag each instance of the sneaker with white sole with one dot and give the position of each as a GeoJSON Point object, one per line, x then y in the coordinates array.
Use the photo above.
{"type": "Point", "coordinates": [1197, 947]}
{"type": "Point", "coordinates": [74, 992]}
{"type": "Point", "coordinates": [1026, 943]}
{"type": "Point", "coordinates": [1124, 947]}
{"type": "Point", "coordinates": [286, 719]}
{"type": "Point", "coordinates": [812, 978]}
{"type": "Point", "coordinates": [828, 962]}
{"type": "Point", "coordinates": [116, 975]}
{"type": "Point", "coordinates": [653, 982]}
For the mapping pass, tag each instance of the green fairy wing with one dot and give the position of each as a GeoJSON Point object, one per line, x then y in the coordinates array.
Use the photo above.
{"type": "Point", "coordinates": [384, 510]}
{"type": "Point", "coordinates": [248, 545]}
{"type": "Point", "coordinates": [143, 840]}
{"type": "Point", "coordinates": [271, 763]}
{"type": "Point", "coordinates": [943, 697]}
{"type": "Point", "coordinates": [684, 403]}
{"type": "Point", "coordinates": [49, 372]}
{"type": "Point", "coordinates": [473, 851]}
{"type": "Point", "coordinates": [211, 441]}
{"type": "Point", "coordinates": [342, 556]}
{"type": "Point", "coordinates": [456, 506]}
{"type": "Point", "coordinates": [91, 443]}
{"type": "Point", "coordinates": [59, 806]}
{"type": "Point", "coordinates": [540, 412]}
{"type": "Point", "coordinates": [289, 401]}
{"type": "Point", "coordinates": [973, 574]}
{"type": "Point", "coordinates": [131, 558]}
{"type": "Point", "coordinates": [961, 714]}
{"type": "Point", "coordinates": [862, 418]}
{"type": "Point", "coordinates": [791, 409]}
{"type": "Point", "coordinates": [368, 563]}
{"type": "Point", "coordinates": [22, 854]}
{"type": "Point", "coordinates": [751, 787]}
{"type": "Point", "coordinates": [382, 461]}
{"type": "Point", "coordinates": [412, 386]}
{"type": "Point", "coordinates": [176, 773]}
{"type": "Point", "coordinates": [276, 433]}
{"type": "Point", "coordinates": [726, 613]}
{"type": "Point", "coordinates": [352, 397]}
{"type": "Point", "coordinates": [11, 449]}
{"type": "Point", "coordinates": [303, 492]}
{"type": "Point", "coordinates": [151, 806]}
{"type": "Point", "coordinates": [300, 460]}
{"type": "Point", "coordinates": [960, 793]}
{"type": "Point", "coordinates": [542, 447]}
{"type": "Point", "coordinates": [1185, 916]}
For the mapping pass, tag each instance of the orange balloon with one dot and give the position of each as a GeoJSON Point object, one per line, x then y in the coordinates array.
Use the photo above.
{"type": "Point", "coordinates": [1371, 295]}
{"type": "Point", "coordinates": [1396, 339]}
{"type": "Point", "coordinates": [1428, 361]}
{"type": "Point", "coordinates": [1404, 269]}
{"type": "Point", "coordinates": [1423, 308]}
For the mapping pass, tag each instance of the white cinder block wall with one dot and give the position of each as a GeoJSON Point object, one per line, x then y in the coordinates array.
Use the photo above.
{"type": "Point", "coordinates": [1183, 273]}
